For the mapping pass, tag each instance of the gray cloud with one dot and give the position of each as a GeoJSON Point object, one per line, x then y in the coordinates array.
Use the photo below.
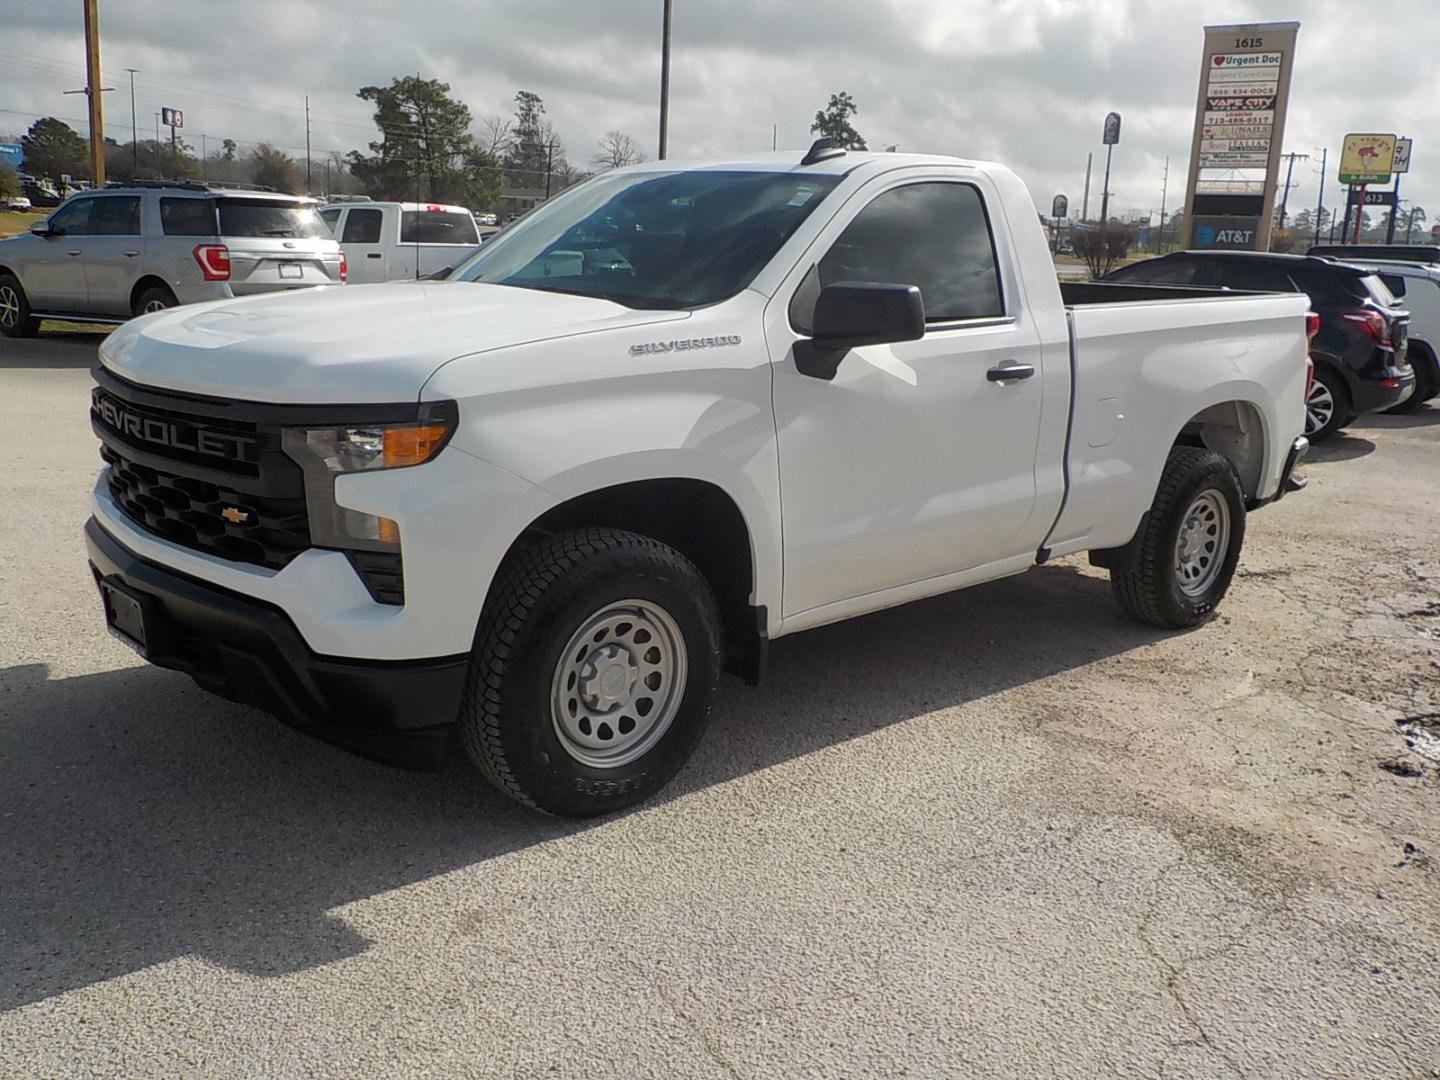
{"type": "Point", "coordinates": [1026, 82]}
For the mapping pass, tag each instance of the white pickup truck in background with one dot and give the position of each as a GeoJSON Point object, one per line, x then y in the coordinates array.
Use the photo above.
{"type": "Point", "coordinates": [677, 412]}
{"type": "Point", "coordinates": [400, 241]}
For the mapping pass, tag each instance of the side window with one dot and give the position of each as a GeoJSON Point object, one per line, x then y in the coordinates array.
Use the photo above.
{"type": "Point", "coordinates": [187, 217]}
{"type": "Point", "coordinates": [934, 235]}
{"type": "Point", "coordinates": [1158, 272]}
{"type": "Point", "coordinates": [1395, 283]}
{"type": "Point", "coordinates": [1244, 275]}
{"type": "Point", "coordinates": [362, 226]}
{"type": "Point", "coordinates": [74, 219]}
{"type": "Point", "coordinates": [330, 217]}
{"type": "Point", "coordinates": [116, 215]}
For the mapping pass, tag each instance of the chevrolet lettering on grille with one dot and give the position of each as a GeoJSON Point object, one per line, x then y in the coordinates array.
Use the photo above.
{"type": "Point", "coordinates": [161, 431]}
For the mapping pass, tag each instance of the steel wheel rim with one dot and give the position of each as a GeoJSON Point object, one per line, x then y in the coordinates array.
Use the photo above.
{"type": "Point", "coordinates": [1203, 541]}
{"type": "Point", "coordinates": [154, 305]}
{"type": "Point", "coordinates": [9, 306]}
{"type": "Point", "coordinates": [1319, 407]}
{"type": "Point", "coordinates": [618, 684]}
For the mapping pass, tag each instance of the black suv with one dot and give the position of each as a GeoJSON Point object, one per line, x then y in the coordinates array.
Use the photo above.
{"type": "Point", "coordinates": [1360, 350]}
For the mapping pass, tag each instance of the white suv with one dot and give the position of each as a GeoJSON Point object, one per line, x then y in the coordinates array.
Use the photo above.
{"type": "Point", "coordinates": [104, 256]}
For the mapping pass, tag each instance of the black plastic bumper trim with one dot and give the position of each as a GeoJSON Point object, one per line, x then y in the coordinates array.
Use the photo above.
{"type": "Point", "coordinates": [398, 711]}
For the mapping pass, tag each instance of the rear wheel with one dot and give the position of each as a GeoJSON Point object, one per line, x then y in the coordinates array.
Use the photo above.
{"type": "Point", "coordinates": [594, 667]}
{"type": "Point", "coordinates": [1190, 544]}
{"type": "Point", "coordinates": [155, 298]}
{"type": "Point", "coordinates": [15, 318]}
{"type": "Point", "coordinates": [1327, 406]}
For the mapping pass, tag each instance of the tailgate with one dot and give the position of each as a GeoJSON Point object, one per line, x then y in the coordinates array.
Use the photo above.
{"type": "Point", "coordinates": [264, 265]}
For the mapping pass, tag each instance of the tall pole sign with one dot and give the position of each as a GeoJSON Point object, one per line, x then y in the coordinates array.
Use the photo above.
{"type": "Point", "coordinates": [1111, 138]}
{"type": "Point", "coordinates": [1235, 151]}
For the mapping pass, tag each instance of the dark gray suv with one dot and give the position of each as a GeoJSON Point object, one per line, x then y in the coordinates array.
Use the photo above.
{"type": "Point", "coordinates": [104, 256]}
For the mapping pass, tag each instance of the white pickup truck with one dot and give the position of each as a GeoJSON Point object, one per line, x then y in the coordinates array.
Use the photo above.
{"type": "Point", "coordinates": [678, 412]}
{"type": "Point", "coordinates": [400, 241]}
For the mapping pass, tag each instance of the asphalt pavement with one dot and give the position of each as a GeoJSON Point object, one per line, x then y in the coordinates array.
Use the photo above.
{"type": "Point", "coordinates": [1005, 833]}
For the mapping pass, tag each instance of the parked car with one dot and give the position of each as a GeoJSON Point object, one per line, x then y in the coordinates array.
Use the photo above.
{"type": "Point", "coordinates": [387, 241]}
{"type": "Point", "coordinates": [110, 254]}
{"type": "Point", "coordinates": [1417, 287]}
{"type": "Point", "coordinates": [41, 194]}
{"type": "Point", "coordinates": [1360, 349]}
{"type": "Point", "coordinates": [675, 413]}
{"type": "Point", "coordinates": [17, 202]}
{"type": "Point", "coordinates": [1427, 254]}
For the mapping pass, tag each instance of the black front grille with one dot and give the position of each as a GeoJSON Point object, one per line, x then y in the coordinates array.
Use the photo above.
{"type": "Point", "coordinates": [208, 516]}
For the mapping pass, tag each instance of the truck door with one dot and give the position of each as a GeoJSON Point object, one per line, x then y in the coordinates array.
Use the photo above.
{"type": "Point", "coordinates": [915, 461]}
{"type": "Point", "coordinates": [360, 237]}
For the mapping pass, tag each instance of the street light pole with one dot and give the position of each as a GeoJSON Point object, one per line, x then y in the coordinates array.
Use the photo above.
{"type": "Point", "coordinates": [134, 131]}
{"type": "Point", "coordinates": [1320, 206]}
{"type": "Point", "coordinates": [664, 80]}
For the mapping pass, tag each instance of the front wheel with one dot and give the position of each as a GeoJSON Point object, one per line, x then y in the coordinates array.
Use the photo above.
{"type": "Point", "coordinates": [1190, 544]}
{"type": "Point", "coordinates": [15, 318]}
{"type": "Point", "coordinates": [594, 667]}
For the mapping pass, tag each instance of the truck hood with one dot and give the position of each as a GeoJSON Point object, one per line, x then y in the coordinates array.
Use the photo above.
{"type": "Point", "coordinates": [359, 344]}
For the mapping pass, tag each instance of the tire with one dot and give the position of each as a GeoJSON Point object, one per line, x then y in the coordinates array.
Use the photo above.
{"type": "Point", "coordinates": [598, 605]}
{"type": "Point", "coordinates": [1327, 407]}
{"type": "Point", "coordinates": [1200, 504]}
{"type": "Point", "coordinates": [15, 318]}
{"type": "Point", "coordinates": [155, 298]}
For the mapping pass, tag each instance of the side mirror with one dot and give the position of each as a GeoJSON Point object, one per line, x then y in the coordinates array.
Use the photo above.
{"type": "Point", "coordinates": [42, 228]}
{"type": "Point", "coordinates": [851, 314]}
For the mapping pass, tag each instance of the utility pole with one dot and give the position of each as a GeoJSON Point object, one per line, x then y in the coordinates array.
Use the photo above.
{"type": "Point", "coordinates": [549, 161]}
{"type": "Point", "coordinates": [92, 92]}
{"type": "Point", "coordinates": [774, 136]}
{"type": "Point", "coordinates": [1085, 206]}
{"type": "Point", "coordinates": [1164, 191]}
{"type": "Point", "coordinates": [204, 158]}
{"type": "Point", "coordinates": [1320, 206]}
{"type": "Point", "coordinates": [664, 81]}
{"type": "Point", "coordinates": [308, 189]}
{"type": "Point", "coordinates": [134, 137]}
{"type": "Point", "coordinates": [1289, 173]}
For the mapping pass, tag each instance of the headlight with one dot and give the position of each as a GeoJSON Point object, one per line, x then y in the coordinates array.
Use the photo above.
{"type": "Point", "coordinates": [327, 452]}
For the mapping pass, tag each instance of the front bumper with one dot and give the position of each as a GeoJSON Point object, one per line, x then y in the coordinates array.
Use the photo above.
{"type": "Point", "coordinates": [399, 711]}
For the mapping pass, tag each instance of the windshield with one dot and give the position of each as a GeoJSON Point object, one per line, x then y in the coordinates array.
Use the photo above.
{"type": "Point", "coordinates": [653, 240]}
{"type": "Point", "coordinates": [267, 217]}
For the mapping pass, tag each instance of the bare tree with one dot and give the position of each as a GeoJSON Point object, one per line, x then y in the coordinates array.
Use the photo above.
{"type": "Point", "coordinates": [497, 135]}
{"type": "Point", "coordinates": [1103, 246]}
{"type": "Point", "coordinates": [617, 150]}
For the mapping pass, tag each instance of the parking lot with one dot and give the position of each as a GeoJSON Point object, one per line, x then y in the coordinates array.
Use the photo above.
{"type": "Point", "coordinates": [1002, 833]}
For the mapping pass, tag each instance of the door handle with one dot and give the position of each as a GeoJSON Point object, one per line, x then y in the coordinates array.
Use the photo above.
{"type": "Point", "coordinates": [1002, 373]}
{"type": "Point", "coordinates": [130, 254]}
{"type": "Point", "coordinates": [373, 255]}
{"type": "Point", "coordinates": [72, 254]}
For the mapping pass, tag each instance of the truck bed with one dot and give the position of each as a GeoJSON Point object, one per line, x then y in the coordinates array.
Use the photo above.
{"type": "Point", "coordinates": [1088, 293]}
{"type": "Point", "coordinates": [1150, 361]}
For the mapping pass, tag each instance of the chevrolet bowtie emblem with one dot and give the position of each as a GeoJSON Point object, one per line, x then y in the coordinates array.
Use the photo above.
{"type": "Point", "coordinates": [235, 515]}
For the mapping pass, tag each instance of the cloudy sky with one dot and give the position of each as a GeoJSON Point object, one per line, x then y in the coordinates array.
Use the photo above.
{"type": "Point", "coordinates": [1026, 82]}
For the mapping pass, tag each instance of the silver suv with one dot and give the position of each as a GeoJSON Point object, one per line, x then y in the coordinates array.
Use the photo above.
{"type": "Point", "coordinates": [106, 255]}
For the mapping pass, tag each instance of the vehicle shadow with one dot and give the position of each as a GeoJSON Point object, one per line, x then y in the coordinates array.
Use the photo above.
{"type": "Point", "coordinates": [1340, 447]}
{"type": "Point", "coordinates": [52, 350]}
{"type": "Point", "coordinates": [146, 820]}
{"type": "Point", "coordinates": [1427, 415]}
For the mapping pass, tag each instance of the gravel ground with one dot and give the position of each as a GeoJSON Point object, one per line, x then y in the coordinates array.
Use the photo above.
{"type": "Point", "coordinates": [1004, 833]}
